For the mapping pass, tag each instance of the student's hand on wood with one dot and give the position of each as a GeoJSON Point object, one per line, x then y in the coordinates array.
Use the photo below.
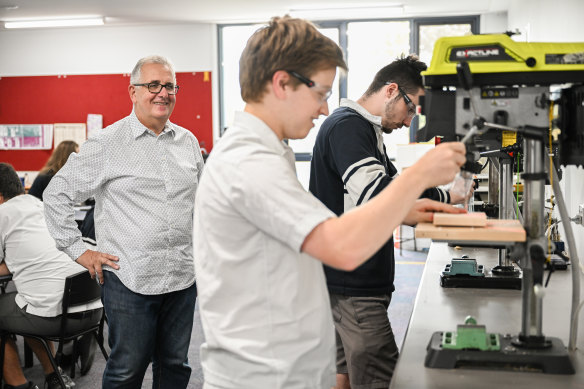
{"type": "Point", "coordinates": [94, 260]}
{"type": "Point", "coordinates": [423, 211]}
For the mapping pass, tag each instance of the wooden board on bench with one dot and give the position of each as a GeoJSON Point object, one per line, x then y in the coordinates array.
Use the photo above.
{"type": "Point", "coordinates": [471, 219]}
{"type": "Point", "coordinates": [494, 231]}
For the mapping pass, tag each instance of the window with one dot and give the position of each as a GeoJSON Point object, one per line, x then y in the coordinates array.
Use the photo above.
{"type": "Point", "coordinates": [429, 30]}
{"type": "Point", "coordinates": [305, 145]}
{"type": "Point", "coordinates": [369, 45]}
{"type": "Point", "coordinates": [232, 42]}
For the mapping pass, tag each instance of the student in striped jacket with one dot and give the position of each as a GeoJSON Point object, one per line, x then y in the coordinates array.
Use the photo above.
{"type": "Point", "coordinates": [349, 167]}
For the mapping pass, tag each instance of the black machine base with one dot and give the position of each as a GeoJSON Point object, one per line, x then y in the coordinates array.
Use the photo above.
{"type": "Point", "coordinates": [551, 360]}
{"type": "Point", "coordinates": [489, 281]}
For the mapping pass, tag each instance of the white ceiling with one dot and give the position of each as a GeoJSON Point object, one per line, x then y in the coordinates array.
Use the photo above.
{"type": "Point", "coordinates": [119, 12]}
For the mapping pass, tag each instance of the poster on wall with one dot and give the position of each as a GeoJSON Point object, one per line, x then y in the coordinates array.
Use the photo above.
{"type": "Point", "coordinates": [94, 124]}
{"type": "Point", "coordinates": [70, 131]}
{"type": "Point", "coordinates": [26, 136]}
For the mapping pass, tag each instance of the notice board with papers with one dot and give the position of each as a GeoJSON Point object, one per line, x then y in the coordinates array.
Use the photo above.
{"type": "Point", "coordinates": [69, 99]}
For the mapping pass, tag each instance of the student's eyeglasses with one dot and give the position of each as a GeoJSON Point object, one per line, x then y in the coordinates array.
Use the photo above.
{"type": "Point", "coordinates": [324, 92]}
{"type": "Point", "coordinates": [410, 104]}
{"type": "Point", "coordinates": [156, 87]}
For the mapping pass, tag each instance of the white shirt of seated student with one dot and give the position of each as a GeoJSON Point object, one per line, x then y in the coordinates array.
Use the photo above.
{"type": "Point", "coordinates": [38, 268]}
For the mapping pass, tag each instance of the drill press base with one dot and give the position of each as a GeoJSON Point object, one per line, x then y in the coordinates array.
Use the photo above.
{"type": "Point", "coordinates": [466, 273]}
{"type": "Point", "coordinates": [552, 360]}
{"type": "Point", "coordinates": [487, 282]}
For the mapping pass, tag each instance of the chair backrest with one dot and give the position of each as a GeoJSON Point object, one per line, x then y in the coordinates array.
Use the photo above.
{"type": "Point", "coordinates": [80, 289]}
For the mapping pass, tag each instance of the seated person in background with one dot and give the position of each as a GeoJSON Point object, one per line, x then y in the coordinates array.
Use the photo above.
{"type": "Point", "coordinates": [56, 161]}
{"type": "Point", "coordinates": [38, 272]}
{"type": "Point", "coordinates": [53, 165]}
{"type": "Point", "coordinates": [87, 227]}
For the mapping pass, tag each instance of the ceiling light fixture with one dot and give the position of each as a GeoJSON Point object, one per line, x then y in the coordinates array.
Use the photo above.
{"type": "Point", "coordinates": [54, 23]}
{"type": "Point", "coordinates": [346, 13]}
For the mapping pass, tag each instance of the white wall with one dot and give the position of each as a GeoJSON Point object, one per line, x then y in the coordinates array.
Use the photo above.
{"type": "Point", "coordinates": [494, 23]}
{"type": "Point", "coordinates": [547, 21]}
{"type": "Point", "coordinates": [557, 21]}
{"type": "Point", "coordinates": [109, 50]}
{"type": "Point", "coordinates": [104, 50]}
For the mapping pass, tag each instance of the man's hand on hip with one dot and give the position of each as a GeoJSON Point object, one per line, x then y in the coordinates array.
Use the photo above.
{"type": "Point", "coordinates": [94, 260]}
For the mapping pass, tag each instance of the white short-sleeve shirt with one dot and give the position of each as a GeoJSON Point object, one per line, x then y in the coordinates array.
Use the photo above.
{"type": "Point", "coordinates": [38, 268]}
{"type": "Point", "coordinates": [264, 305]}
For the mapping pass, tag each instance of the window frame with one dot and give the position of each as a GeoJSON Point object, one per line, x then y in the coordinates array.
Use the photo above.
{"type": "Point", "coordinates": [473, 20]}
{"type": "Point", "coordinates": [415, 24]}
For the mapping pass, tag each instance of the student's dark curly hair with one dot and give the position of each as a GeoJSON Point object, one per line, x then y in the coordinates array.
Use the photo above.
{"type": "Point", "coordinates": [404, 71]}
{"type": "Point", "coordinates": [10, 184]}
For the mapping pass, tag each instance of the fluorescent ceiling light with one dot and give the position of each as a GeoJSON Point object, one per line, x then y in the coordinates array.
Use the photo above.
{"type": "Point", "coordinates": [346, 13]}
{"type": "Point", "coordinates": [54, 23]}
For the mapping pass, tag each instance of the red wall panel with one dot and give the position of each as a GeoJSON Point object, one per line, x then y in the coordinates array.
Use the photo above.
{"type": "Point", "coordinates": [68, 99]}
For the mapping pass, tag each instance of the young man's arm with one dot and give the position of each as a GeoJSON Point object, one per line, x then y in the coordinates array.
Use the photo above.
{"type": "Point", "coordinates": [349, 240]}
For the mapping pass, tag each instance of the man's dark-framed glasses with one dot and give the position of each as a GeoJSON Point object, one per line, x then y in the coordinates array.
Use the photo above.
{"type": "Point", "coordinates": [409, 102]}
{"type": "Point", "coordinates": [323, 91]}
{"type": "Point", "coordinates": [156, 87]}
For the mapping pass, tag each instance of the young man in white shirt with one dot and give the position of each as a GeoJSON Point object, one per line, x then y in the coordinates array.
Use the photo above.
{"type": "Point", "coordinates": [260, 238]}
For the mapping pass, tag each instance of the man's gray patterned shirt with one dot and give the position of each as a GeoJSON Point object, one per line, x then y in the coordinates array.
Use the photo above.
{"type": "Point", "coordinates": [144, 188]}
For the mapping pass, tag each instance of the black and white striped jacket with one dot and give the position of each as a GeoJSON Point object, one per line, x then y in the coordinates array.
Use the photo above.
{"type": "Point", "coordinates": [350, 166]}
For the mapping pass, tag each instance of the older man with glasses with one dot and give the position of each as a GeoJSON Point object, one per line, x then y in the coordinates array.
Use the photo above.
{"type": "Point", "coordinates": [143, 172]}
{"type": "Point", "coordinates": [349, 167]}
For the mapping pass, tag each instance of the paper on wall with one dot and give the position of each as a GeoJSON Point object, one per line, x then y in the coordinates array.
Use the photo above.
{"type": "Point", "coordinates": [70, 131]}
{"type": "Point", "coordinates": [26, 136]}
{"type": "Point", "coordinates": [94, 123]}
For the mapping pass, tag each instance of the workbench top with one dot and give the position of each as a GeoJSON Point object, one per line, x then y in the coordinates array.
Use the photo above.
{"type": "Point", "coordinates": [442, 309]}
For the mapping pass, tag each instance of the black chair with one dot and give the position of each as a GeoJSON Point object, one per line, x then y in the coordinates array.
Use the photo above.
{"type": "Point", "coordinates": [4, 280]}
{"type": "Point", "coordinates": [80, 289]}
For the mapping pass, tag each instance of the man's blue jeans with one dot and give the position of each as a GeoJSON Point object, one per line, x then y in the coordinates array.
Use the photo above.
{"type": "Point", "coordinates": [144, 328]}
